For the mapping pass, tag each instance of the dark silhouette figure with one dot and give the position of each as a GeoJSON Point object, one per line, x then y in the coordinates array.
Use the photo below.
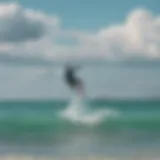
{"type": "Point", "coordinates": [72, 80]}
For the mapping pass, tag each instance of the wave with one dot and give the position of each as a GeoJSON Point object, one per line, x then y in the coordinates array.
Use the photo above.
{"type": "Point", "coordinates": [51, 119]}
{"type": "Point", "coordinates": [78, 111]}
{"type": "Point", "coordinates": [79, 114]}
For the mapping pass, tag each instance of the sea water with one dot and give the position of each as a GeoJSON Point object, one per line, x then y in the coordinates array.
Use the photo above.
{"type": "Point", "coordinates": [80, 127]}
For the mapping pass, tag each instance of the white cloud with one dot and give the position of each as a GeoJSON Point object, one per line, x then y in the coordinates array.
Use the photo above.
{"type": "Point", "coordinates": [137, 37]}
{"type": "Point", "coordinates": [20, 24]}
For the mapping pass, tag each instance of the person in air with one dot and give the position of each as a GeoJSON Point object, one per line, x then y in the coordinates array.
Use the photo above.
{"type": "Point", "coordinates": [74, 82]}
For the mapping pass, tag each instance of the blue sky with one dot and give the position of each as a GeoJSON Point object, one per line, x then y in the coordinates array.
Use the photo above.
{"type": "Point", "coordinates": [90, 14]}
{"type": "Point", "coordinates": [35, 33]}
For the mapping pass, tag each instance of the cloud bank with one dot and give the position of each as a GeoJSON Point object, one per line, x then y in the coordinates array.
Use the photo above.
{"type": "Point", "coordinates": [19, 24]}
{"type": "Point", "coordinates": [28, 34]}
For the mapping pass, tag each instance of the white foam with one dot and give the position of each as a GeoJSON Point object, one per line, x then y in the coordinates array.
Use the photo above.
{"type": "Point", "coordinates": [77, 111]}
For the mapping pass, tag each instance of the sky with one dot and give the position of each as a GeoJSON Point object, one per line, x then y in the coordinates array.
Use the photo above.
{"type": "Point", "coordinates": [90, 14]}
{"type": "Point", "coordinates": [35, 34]}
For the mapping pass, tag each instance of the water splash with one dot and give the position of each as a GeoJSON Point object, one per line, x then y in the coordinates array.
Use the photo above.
{"type": "Point", "coordinates": [78, 112]}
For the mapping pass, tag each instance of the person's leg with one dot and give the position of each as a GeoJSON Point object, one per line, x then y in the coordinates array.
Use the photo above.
{"type": "Point", "coordinates": [80, 87]}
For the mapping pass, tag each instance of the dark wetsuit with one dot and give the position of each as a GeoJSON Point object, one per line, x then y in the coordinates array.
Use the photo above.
{"type": "Point", "coordinates": [71, 78]}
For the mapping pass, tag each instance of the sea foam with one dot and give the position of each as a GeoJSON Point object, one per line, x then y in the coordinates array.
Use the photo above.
{"type": "Point", "coordinates": [78, 112]}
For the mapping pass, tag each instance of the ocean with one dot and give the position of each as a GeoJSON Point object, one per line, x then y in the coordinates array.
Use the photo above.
{"type": "Point", "coordinates": [119, 118]}
{"type": "Point", "coordinates": [80, 127]}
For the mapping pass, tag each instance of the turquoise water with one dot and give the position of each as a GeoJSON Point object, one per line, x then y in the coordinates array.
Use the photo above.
{"type": "Point", "coordinates": [78, 127]}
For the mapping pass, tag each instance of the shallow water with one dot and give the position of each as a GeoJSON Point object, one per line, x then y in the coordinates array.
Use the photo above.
{"type": "Point", "coordinates": [80, 128]}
